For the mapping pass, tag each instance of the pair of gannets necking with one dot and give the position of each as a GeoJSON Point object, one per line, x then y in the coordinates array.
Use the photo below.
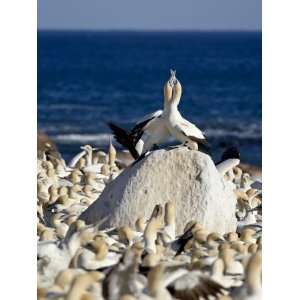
{"type": "Point", "coordinates": [157, 127]}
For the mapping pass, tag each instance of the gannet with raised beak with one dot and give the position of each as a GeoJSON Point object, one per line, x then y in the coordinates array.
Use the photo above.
{"type": "Point", "coordinates": [180, 128]}
{"type": "Point", "coordinates": [149, 131]}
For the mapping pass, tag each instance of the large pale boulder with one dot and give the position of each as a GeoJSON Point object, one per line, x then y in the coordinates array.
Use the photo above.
{"type": "Point", "coordinates": [189, 178]}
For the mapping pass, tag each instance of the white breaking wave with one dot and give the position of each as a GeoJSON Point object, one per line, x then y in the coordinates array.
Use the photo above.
{"type": "Point", "coordinates": [103, 138]}
{"type": "Point", "coordinates": [95, 139]}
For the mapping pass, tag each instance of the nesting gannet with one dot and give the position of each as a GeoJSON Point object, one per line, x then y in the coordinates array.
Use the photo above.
{"type": "Point", "coordinates": [128, 235]}
{"type": "Point", "coordinates": [76, 158]}
{"type": "Point", "coordinates": [55, 256]}
{"type": "Point", "coordinates": [90, 167]}
{"type": "Point", "coordinates": [230, 159]}
{"type": "Point", "coordinates": [98, 257]}
{"type": "Point", "coordinates": [179, 244]}
{"type": "Point", "coordinates": [152, 228]}
{"type": "Point", "coordinates": [124, 278]}
{"type": "Point", "coordinates": [149, 131]}
{"type": "Point", "coordinates": [180, 128]}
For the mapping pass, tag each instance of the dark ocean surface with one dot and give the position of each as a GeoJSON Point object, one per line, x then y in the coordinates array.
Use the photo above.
{"type": "Point", "coordinates": [88, 78]}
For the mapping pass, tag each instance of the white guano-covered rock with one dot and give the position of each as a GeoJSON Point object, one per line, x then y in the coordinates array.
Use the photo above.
{"type": "Point", "coordinates": [189, 178]}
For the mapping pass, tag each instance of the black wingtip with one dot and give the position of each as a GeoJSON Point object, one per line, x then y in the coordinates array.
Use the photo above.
{"type": "Point", "coordinates": [231, 153]}
{"type": "Point", "coordinates": [124, 138]}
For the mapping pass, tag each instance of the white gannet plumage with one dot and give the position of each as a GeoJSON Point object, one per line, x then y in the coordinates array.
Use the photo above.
{"type": "Point", "coordinates": [150, 130]}
{"type": "Point", "coordinates": [230, 159]}
{"type": "Point", "coordinates": [180, 128]}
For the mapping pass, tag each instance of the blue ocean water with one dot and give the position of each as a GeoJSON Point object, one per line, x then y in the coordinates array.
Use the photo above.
{"type": "Point", "coordinates": [88, 78]}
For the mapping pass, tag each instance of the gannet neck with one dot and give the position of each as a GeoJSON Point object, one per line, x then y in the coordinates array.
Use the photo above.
{"type": "Point", "coordinates": [172, 109]}
{"type": "Point", "coordinates": [167, 94]}
{"type": "Point", "coordinates": [89, 158]}
{"type": "Point", "coordinates": [253, 273]}
{"type": "Point", "coordinates": [73, 244]}
{"type": "Point", "coordinates": [76, 158]}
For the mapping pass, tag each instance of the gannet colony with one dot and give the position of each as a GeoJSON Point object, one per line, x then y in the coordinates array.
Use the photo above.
{"type": "Point", "coordinates": [169, 224]}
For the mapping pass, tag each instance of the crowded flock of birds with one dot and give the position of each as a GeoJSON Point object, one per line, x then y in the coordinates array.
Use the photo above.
{"type": "Point", "coordinates": [148, 261]}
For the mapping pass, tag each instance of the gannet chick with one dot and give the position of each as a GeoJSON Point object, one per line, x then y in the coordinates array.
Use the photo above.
{"type": "Point", "coordinates": [180, 128]}
{"type": "Point", "coordinates": [153, 226]}
{"type": "Point", "coordinates": [148, 132]}
{"type": "Point", "coordinates": [169, 228]}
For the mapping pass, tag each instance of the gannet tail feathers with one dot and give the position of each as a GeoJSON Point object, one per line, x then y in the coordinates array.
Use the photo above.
{"type": "Point", "coordinates": [203, 144]}
{"type": "Point", "coordinates": [124, 138]}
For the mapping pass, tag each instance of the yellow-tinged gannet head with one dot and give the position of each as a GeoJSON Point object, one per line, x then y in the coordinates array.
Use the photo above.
{"type": "Point", "coordinates": [140, 224]}
{"type": "Point", "coordinates": [172, 89]}
{"type": "Point", "coordinates": [126, 234]}
{"type": "Point", "coordinates": [112, 153]}
{"type": "Point", "coordinates": [81, 283]}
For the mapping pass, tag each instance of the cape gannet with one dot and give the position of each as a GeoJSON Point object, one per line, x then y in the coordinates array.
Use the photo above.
{"type": "Point", "coordinates": [149, 131]}
{"type": "Point", "coordinates": [180, 128]}
{"type": "Point", "coordinates": [229, 160]}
